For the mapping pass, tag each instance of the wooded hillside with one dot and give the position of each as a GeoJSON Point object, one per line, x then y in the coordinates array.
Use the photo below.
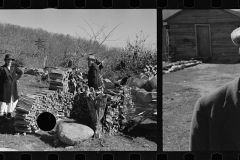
{"type": "Point", "coordinates": [32, 47]}
{"type": "Point", "coordinates": [22, 42]}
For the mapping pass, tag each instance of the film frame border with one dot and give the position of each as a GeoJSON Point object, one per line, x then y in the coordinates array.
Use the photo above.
{"type": "Point", "coordinates": [90, 4]}
{"type": "Point", "coordinates": [187, 155]}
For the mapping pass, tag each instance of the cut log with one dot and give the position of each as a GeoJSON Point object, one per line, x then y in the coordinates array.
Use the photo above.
{"type": "Point", "coordinates": [96, 106]}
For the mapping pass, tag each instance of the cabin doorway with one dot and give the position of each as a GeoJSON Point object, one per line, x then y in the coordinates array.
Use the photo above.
{"type": "Point", "coordinates": [203, 40]}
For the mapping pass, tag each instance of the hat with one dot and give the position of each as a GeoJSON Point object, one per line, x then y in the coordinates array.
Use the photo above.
{"type": "Point", "coordinates": [91, 57]}
{"type": "Point", "coordinates": [9, 56]}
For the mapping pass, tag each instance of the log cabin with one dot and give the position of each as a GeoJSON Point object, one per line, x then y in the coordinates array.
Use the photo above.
{"type": "Point", "coordinates": [202, 34]}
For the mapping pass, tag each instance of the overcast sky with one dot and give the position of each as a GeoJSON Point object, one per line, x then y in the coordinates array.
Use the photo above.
{"type": "Point", "coordinates": [66, 21]}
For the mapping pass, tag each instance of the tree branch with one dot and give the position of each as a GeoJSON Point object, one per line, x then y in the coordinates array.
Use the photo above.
{"type": "Point", "coordinates": [86, 32]}
{"type": "Point", "coordinates": [114, 39]}
{"type": "Point", "coordinates": [107, 36]}
{"type": "Point", "coordinates": [91, 29]}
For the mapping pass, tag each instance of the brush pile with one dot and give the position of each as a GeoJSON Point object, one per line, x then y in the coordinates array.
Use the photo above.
{"type": "Point", "coordinates": [59, 79]}
{"type": "Point", "coordinates": [150, 70]}
{"type": "Point", "coordinates": [30, 106]}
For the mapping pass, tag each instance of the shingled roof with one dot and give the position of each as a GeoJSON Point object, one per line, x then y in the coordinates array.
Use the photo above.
{"type": "Point", "coordinates": [235, 13]}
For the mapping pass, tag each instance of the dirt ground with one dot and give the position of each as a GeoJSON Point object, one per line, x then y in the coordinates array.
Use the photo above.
{"type": "Point", "coordinates": [181, 90]}
{"type": "Point", "coordinates": [141, 138]}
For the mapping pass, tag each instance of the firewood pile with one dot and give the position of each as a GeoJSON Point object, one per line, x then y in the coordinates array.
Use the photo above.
{"type": "Point", "coordinates": [108, 110]}
{"type": "Point", "coordinates": [180, 65]}
{"type": "Point", "coordinates": [58, 103]}
{"type": "Point", "coordinates": [120, 105]}
{"type": "Point", "coordinates": [59, 79]}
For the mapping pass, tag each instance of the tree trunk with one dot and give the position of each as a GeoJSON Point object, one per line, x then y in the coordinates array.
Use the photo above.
{"type": "Point", "coordinates": [97, 107]}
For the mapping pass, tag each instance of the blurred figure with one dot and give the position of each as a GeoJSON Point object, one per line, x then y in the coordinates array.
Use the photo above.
{"type": "Point", "coordinates": [9, 76]}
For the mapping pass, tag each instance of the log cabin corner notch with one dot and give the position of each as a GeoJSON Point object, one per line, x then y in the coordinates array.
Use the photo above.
{"type": "Point", "coordinates": [201, 33]}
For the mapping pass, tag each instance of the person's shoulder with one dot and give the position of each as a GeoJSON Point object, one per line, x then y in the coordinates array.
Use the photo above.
{"type": "Point", "coordinates": [216, 95]}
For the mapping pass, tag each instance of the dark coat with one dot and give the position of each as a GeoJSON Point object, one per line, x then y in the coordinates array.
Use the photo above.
{"type": "Point", "coordinates": [94, 79]}
{"type": "Point", "coordinates": [8, 84]}
{"type": "Point", "coordinates": [216, 120]}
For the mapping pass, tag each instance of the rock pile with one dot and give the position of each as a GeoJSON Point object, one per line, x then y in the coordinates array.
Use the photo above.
{"type": "Point", "coordinates": [142, 94]}
{"type": "Point", "coordinates": [59, 79]}
{"type": "Point", "coordinates": [180, 65]}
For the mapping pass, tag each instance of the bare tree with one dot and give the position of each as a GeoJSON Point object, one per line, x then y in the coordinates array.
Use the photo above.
{"type": "Point", "coordinates": [95, 37]}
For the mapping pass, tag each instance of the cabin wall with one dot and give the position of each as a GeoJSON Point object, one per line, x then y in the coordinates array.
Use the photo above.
{"type": "Point", "coordinates": [221, 39]}
{"type": "Point", "coordinates": [182, 32]}
{"type": "Point", "coordinates": [182, 38]}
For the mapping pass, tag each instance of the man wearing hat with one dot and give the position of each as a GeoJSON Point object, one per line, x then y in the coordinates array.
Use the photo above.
{"type": "Point", "coordinates": [215, 122]}
{"type": "Point", "coordinates": [9, 76]}
{"type": "Point", "coordinates": [94, 79]}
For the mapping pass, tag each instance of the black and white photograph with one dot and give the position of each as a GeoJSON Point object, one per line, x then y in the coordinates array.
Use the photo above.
{"type": "Point", "coordinates": [201, 92]}
{"type": "Point", "coordinates": [78, 80]}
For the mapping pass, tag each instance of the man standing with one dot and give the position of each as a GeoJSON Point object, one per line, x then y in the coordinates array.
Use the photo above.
{"type": "Point", "coordinates": [94, 79]}
{"type": "Point", "coordinates": [216, 120]}
{"type": "Point", "coordinates": [9, 76]}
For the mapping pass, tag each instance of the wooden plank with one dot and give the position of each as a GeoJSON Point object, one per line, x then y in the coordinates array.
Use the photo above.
{"type": "Point", "coordinates": [221, 37]}
{"type": "Point", "coordinates": [222, 30]}
{"type": "Point", "coordinates": [214, 20]}
{"type": "Point", "coordinates": [223, 50]}
{"type": "Point", "coordinates": [224, 41]}
{"type": "Point", "coordinates": [182, 33]}
{"type": "Point", "coordinates": [182, 30]}
{"type": "Point", "coordinates": [219, 47]}
{"type": "Point", "coordinates": [222, 45]}
{"type": "Point", "coordinates": [232, 54]}
{"type": "Point", "coordinates": [175, 26]}
{"type": "Point", "coordinates": [192, 20]}
{"type": "Point", "coordinates": [182, 37]}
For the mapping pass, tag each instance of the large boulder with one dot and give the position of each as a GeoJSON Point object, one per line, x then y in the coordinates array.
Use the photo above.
{"type": "Point", "coordinates": [108, 84]}
{"type": "Point", "coordinates": [142, 76]}
{"type": "Point", "coordinates": [72, 133]}
{"type": "Point", "coordinates": [136, 82]}
{"type": "Point", "coordinates": [141, 97]}
{"type": "Point", "coordinates": [151, 83]}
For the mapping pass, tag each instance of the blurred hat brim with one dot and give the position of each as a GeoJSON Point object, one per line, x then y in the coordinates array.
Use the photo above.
{"type": "Point", "coordinates": [91, 58]}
